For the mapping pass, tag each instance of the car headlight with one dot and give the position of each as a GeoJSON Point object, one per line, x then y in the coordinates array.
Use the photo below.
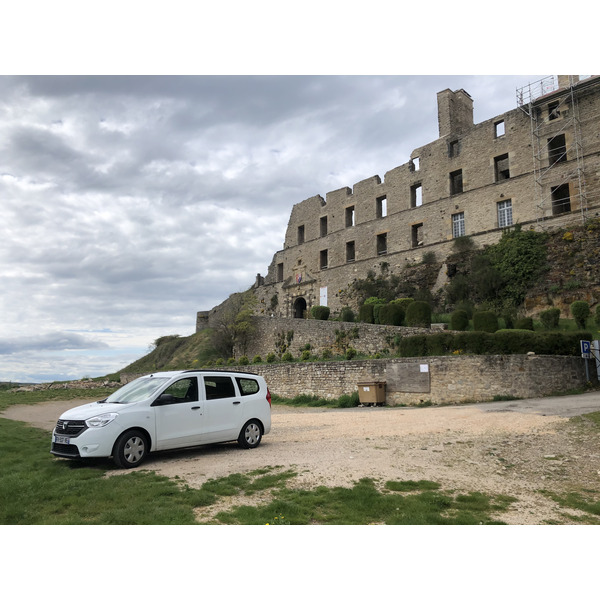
{"type": "Point", "coordinates": [101, 420]}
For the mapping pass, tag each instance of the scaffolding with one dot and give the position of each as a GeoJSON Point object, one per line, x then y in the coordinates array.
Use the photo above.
{"type": "Point", "coordinates": [556, 143]}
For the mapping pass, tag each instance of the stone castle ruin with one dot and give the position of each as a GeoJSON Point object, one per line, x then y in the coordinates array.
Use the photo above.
{"type": "Point", "coordinates": [537, 165]}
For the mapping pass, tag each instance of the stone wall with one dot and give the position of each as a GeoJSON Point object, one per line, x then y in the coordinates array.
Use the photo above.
{"type": "Point", "coordinates": [335, 336]}
{"type": "Point", "coordinates": [439, 380]}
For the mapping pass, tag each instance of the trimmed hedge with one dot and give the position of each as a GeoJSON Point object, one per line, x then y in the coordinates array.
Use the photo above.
{"type": "Point", "coordinates": [418, 314]}
{"type": "Point", "coordinates": [550, 318]}
{"type": "Point", "coordinates": [391, 314]}
{"type": "Point", "coordinates": [459, 320]}
{"type": "Point", "coordinates": [524, 323]}
{"type": "Point", "coordinates": [485, 320]}
{"type": "Point", "coordinates": [321, 313]}
{"type": "Point", "coordinates": [504, 341]}
{"type": "Point", "coordinates": [365, 313]}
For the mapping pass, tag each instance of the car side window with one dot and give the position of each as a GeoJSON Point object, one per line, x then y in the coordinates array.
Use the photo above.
{"type": "Point", "coordinates": [218, 387]}
{"type": "Point", "coordinates": [247, 386]}
{"type": "Point", "coordinates": [184, 390]}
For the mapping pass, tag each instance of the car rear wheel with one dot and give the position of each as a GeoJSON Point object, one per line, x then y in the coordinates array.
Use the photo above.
{"type": "Point", "coordinates": [130, 449]}
{"type": "Point", "coordinates": [250, 435]}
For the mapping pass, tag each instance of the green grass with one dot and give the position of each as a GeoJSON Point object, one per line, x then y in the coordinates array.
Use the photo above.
{"type": "Point", "coordinates": [415, 503]}
{"type": "Point", "coordinates": [344, 401]}
{"type": "Point", "coordinates": [9, 398]}
{"type": "Point", "coordinates": [36, 488]}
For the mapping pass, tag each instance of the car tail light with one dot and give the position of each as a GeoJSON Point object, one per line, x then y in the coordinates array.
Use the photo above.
{"type": "Point", "coordinates": [268, 396]}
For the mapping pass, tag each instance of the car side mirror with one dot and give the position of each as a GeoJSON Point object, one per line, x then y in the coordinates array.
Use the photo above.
{"type": "Point", "coordinates": [164, 399]}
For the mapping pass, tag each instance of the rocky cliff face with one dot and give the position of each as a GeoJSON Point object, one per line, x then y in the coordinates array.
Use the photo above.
{"type": "Point", "coordinates": [573, 270]}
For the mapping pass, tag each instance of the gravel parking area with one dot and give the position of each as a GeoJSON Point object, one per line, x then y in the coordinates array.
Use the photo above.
{"type": "Point", "coordinates": [515, 448]}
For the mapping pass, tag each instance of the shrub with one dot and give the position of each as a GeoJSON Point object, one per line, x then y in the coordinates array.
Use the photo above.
{"type": "Point", "coordinates": [271, 357]}
{"type": "Point", "coordinates": [348, 400]}
{"type": "Point", "coordinates": [321, 313]}
{"type": "Point", "coordinates": [485, 320]}
{"type": "Point", "coordinates": [403, 302]}
{"type": "Point", "coordinates": [365, 313]}
{"type": "Point", "coordinates": [243, 360]}
{"type": "Point", "coordinates": [326, 353]}
{"type": "Point", "coordinates": [459, 320]}
{"type": "Point", "coordinates": [580, 311]}
{"type": "Point", "coordinates": [287, 357]}
{"type": "Point", "coordinates": [413, 345]}
{"type": "Point", "coordinates": [347, 315]}
{"type": "Point", "coordinates": [418, 314]}
{"type": "Point", "coordinates": [509, 316]}
{"type": "Point", "coordinates": [391, 314]}
{"type": "Point", "coordinates": [305, 355]}
{"type": "Point", "coordinates": [231, 361]}
{"type": "Point", "coordinates": [524, 323]}
{"type": "Point", "coordinates": [550, 318]}
{"type": "Point", "coordinates": [429, 258]}
{"type": "Point", "coordinates": [257, 359]}
{"type": "Point", "coordinates": [219, 362]}
{"type": "Point", "coordinates": [350, 353]}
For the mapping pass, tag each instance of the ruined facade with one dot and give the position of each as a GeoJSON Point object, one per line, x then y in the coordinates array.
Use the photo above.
{"type": "Point", "coordinates": [537, 165]}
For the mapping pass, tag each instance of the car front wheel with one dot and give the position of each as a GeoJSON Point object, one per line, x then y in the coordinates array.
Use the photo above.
{"type": "Point", "coordinates": [250, 435]}
{"type": "Point", "coordinates": [130, 449]}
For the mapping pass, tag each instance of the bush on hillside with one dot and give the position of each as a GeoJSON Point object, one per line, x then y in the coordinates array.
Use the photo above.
{"type": "Point", "coordinates": [365, 313]}
{"type": "Point", "coordinates": [459, 320]}
{"type": "Point", "coordinates": [391, 314]}
{"type": "Point", "coordinates": [550, 318]}
{"type": "Point", "coordinates": [418, 314]}
{"type": "Point", "coordinates": [524, 323]}
{"type": "Point", "coordinates": [580, 311]}
{"type": "Point", "coordinates": [347, 315]}
{"type": "Point", "coordinates": [321, 313]}
{"type": "Point", "coordinates": [485, 320]}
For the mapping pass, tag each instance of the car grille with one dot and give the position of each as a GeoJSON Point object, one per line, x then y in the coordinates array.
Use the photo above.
{"type": "Point", "coordinates": [69, 450]}
{"type": "Point", "coordinates": [71, 428]}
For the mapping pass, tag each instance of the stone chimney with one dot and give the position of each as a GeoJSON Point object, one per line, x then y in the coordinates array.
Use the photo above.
{"type": "Point", "coordinates": [455, 112]}
{"type": "Point", "coordinates": [567, 80]}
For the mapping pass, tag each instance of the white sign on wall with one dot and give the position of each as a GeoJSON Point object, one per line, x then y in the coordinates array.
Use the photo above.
{"type": "Point", "coordinates": [323, 295]}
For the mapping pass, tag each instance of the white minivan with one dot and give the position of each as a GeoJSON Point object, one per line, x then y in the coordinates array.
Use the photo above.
{"type": "Point", "coordinates": [162, 411]}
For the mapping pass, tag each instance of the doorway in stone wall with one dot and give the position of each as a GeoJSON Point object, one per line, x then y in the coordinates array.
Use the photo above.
{"type": "Point", "coordinates": [299, 308]}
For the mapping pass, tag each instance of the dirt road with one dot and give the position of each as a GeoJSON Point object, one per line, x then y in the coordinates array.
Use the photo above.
{"type": "Point", "coordinates": [515, 448]}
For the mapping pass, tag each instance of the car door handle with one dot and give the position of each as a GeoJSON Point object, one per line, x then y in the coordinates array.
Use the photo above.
{"type": "Point", "coordinates": [237, 402]}
{"type": "Point", "coordinates": [195, 407]}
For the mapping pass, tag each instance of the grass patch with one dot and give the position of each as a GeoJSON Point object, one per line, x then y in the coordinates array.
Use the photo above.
{"type": "Point", "coordinates": [8, 398]}
{"type": "Point", "coordinates": [344, 401]}
{"type": "Point", "coordinates": [36, 488]}
{"type": "Point", "coordinates": [586, 501]}
{"type": "Point", "coordinates": [364, 504]}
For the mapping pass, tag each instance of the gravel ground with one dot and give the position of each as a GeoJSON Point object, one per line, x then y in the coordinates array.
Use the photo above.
{"type": "Point", "coordinates": [497, 448]}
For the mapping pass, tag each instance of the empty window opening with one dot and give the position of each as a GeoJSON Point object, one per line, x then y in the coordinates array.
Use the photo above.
{"type": "Point", "coordinates": [453, 149]}
{"type": "Point", "coordinates": [381, 207]}
{"type": "Point", "coordinates": [416, 195]}
{"type": "Point", "coordinates": [505, 218]}
{"type": "Point", "coordinates": [323, 258]}
{"type": "Point", "coordinates": [458, 225]}
{"type": "Point", "coordinates": [280, 272]}
{"type": "Point", "coordinates": [456, 182]}
{"type": "Point", "coordinates": [382, 243]}
{"type": "Point", "coordinates": [501, 170]}
{"type": "Point", "coordinates": [553, 111]}
{"type": "Point", "coordinates": [350, 252]}
{"type": "Point", "coordinates": [323, 226]}
{"type": "Point", "coordinates": [557, 149]}
{"type": "Point", "coordinates": [416, 162]}
{"type": "Point", "coordinates": [350, 216]}
{"type": "Point", "coordinates": [417, 235]}
{"type": "Point", "coordinates": [301, 234]}
{"type": "Point", "coordinates": [499, 129]}
{"type": "Point", "coordinates": [561, 199]}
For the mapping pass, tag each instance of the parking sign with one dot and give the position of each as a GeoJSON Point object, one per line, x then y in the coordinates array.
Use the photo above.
{"type": "Point", "coordinates": [586, 349]}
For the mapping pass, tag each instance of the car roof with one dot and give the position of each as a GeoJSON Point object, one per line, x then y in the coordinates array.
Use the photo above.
{"type": "Point", "coordinates": [176, 373]}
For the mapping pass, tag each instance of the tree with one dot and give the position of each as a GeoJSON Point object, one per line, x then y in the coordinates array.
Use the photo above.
{"type": "Point", "coordinates": [580, 311]}
{"type": "Point", "coordinates": [234, 324]}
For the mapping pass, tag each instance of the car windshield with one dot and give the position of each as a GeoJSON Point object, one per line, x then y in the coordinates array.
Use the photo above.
{"type": "Point", "coordinates": [136, 390]}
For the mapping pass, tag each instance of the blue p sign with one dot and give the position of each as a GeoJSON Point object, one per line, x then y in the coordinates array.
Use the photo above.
{"type": "Point", "coordinates": [586, 348]}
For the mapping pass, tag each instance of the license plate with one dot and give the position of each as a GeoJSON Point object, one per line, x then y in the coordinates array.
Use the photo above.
{"type": "Point", "coordinates": [61, 439]}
